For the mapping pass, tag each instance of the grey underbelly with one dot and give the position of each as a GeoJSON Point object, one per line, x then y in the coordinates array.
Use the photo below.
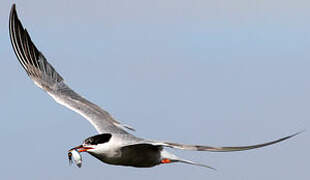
{"type": "Point", "coordinates": [141, 155]}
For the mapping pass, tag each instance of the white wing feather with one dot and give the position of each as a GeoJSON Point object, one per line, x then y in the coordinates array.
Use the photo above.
{"type": "Point", "coordinates": [46, 77]}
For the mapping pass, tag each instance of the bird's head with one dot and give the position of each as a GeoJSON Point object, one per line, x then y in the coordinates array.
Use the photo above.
{"type": "Point", "coordinates": [92, 143]}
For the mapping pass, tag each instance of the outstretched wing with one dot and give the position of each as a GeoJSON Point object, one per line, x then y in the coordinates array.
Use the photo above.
{"type": "Point", "coordinates": [221, 149]}
{"type": "Point", "coordinates": [46, 77]}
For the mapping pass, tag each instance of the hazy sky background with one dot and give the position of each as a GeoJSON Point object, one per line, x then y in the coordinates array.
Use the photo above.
{"type": "Point", "coordinates": [217, 72]}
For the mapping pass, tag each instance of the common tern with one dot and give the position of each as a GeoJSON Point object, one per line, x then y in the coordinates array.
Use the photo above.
{"type": "Point", "coordinates": [113, 144]}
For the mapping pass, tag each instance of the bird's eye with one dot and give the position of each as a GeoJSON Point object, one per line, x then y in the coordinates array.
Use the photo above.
{"type": "Point", "coordinates": [88, 141]}
{"type": "Point", "coordinates": [98, 139]}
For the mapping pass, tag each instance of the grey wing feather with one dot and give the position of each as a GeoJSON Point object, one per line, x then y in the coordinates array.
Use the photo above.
{"type": "Point", "coordinates": [221, 149]}
{"type": "Point", "coordinates": [46, 77]}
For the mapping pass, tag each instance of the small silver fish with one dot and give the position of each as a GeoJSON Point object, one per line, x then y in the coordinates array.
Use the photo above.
{"type": "Point", "coordinates": [73, 153]}
{"type": "Point", "coordinates": [70, 157]}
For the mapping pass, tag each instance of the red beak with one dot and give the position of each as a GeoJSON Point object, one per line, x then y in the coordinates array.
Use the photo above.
{"type": "Point", "coordinates": [81, 148]}
{"type": "Point", "coordinates": [84, 149]}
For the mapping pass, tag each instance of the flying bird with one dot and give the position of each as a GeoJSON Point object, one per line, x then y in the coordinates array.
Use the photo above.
{"type": "Point", "coordinates": [113, 144]}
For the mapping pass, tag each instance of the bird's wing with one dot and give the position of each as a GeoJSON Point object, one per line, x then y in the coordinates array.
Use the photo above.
{"type": "Point", "coordinates": [46, 77]}
{"type": "Point", "coordinates": [220, 149]}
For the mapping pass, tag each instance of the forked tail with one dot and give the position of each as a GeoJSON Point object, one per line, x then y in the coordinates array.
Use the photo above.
{"type": "Point", "coordinates": [167, 157]}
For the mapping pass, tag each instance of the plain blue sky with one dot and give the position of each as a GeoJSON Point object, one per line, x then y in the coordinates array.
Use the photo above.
{"type": "Point", "coordinates": [215, 72]}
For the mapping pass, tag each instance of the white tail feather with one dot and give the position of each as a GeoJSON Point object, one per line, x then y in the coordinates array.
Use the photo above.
{"type": "Point", "coordinates": [194, 163]}
{"type": "Point", "coordinates": [173, 158]}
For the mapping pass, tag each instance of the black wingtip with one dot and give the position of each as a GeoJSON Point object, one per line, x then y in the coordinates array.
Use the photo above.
{"type": "Point", "coordinates": [13, 7]}
{"type": "Point", "coordinates": [13, 16]}
{"type": "Point", "coordinates": [13, 10]}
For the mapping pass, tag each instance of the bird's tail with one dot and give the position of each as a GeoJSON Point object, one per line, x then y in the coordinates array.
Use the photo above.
{"type": "Point", "coordinates": [167, 157]}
